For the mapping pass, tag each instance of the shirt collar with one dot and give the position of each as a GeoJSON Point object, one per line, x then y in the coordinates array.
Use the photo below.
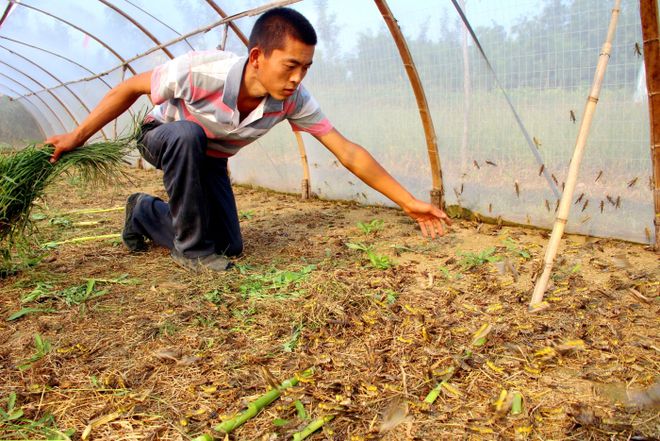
{"type": "Point", "coordinates": [233, 86]}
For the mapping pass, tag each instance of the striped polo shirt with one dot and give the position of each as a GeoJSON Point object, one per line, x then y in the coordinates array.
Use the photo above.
{"type": "Point", "coordinates": [203, 86]}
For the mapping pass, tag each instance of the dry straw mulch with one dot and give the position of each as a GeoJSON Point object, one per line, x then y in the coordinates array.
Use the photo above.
{"type": "Point", "coordinates": [150, 351]}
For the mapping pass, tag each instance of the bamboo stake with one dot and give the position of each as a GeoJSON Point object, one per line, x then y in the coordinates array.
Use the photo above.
{"type": "Point", "coordinates": [306, 183]}
{"type": "Point", "coordinates": [255, 406]}
{"type": "Point", "coordinates": [649, 17]}
{"type": "Point", "coordinates": [567, 195]}
{"type": "Point", "coordinates": [437, 193]}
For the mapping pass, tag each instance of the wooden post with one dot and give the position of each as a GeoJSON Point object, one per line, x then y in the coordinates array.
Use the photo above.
{"type": "Point", "coordinates": [437, 193]}
{"type": "Point", "coordinates": [305, 187]}
{"type": "Point", "coordinates": [571, 180]}
{"type": "Point", "coordinates": [649, 14]}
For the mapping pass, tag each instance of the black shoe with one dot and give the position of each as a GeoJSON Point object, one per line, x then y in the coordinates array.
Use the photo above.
{"type": "Point", "coordinates": [133, 240]}
{"type": "Point", "coordinates": [212, 262]}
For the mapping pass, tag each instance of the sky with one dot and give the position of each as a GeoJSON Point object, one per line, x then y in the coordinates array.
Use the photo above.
{"type": "Point", "coordinates": [356, 16]}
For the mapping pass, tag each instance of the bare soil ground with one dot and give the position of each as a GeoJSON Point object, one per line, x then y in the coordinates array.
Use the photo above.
{"type": "Point", "coordinates": [131, 347]}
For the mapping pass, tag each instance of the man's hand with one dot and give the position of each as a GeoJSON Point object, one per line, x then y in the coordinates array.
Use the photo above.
{"type": "Point", "coordinates": [429, 217]}
{"type": "Point", "coordinates": [63, 143]}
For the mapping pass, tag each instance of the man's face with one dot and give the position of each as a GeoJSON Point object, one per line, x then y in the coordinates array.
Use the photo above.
{"type": "Point", "coordinates": [281, 72]}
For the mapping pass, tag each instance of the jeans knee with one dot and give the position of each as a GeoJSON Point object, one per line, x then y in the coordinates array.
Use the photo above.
{"type": "Point", "coordinates": [188, 137]}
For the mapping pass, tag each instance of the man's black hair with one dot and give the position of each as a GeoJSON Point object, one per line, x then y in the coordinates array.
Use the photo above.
{"type": "Point", "coordinates": [272, 28]}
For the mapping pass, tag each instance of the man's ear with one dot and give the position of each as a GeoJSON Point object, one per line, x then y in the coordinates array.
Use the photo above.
{"type": "Point", "coordinates": [253, 56]}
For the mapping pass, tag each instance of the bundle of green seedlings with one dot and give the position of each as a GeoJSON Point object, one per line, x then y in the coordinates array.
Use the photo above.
{"type": "Point", "coordinates": [25, 175]}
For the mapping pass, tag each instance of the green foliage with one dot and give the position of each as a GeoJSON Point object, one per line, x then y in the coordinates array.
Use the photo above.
{"type": "Point", "coordinates": [13, 424]}
{"type": "Point", "coordinates": [292, 343]}
{"type": "Point", "coordinates": [278, 284]}
{"type": "Point", "coordinates": [25, 174]}
{"type": "Point", "coordinates": [247, 215]}
{"type": "Point", "coordinates": [472, 260]}
{"type": "Point", "coordinates": [391, 296]}
{"type": "Point", "coordinates": [26, 311]}
{"type": "Point", "coordinates": [214, 296]}
{"type": "Point", "coordinates": [514, 248]}
{"type": "Point", "coordinates": [73, 295]}
{"type": "Point", "coordinates": [167, 329]}
{"type": "Point", "coordinates": [448, 274]}
{"type": "Point", "coordinates": [377, 261]}
{"type": "Point", "coordinates": [42, 348]}
{"type": "Point", "coordinates": [370, 227]}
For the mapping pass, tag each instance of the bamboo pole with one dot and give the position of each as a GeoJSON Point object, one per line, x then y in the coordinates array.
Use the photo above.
{"type": "Point", "coordinates": [567, 195]}
{"type": "Point", "coordinates": [437, 193]}
{"type": "Point", "coordinates": [306, 183]}
{"type": "Point", "coordinates": [649, 16]}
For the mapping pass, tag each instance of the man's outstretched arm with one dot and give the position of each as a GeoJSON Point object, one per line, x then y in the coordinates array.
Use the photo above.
{"type": "Point", "coordinates": [113, 104]}
{"type": "Point", "coordinates": [360, 162]}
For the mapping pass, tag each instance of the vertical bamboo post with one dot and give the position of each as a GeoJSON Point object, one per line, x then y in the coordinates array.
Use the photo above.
{"type": "Point", "coordinates": [649, 15]}
{"type": "Point", "coordinates": [437, 193]}
{"type": "Point", "coordinates": [466, 93]}
{"type": "Point", "coordinates": [567, 195]}
{"type": "Point", "coordinates": [305, 185]}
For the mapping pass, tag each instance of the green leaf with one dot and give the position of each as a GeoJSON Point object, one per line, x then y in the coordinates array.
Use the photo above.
{"type": "Point", "coordinates": [26, 311]}
{"type": "Point", "coordinates": [279, 422]}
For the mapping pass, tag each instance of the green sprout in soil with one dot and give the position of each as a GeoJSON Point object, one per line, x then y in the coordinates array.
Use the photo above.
{"type": "Point", "coordinates": [277, 284]}
{"type": "Point", "coordinates": [371, 227]}
{"type": "Point", "coordinates": [514, 248]}
{"type": "Point", "coordinates": [377, 261]}
{"type": "Point", "coordinates": [42, 348]}
{"type": "Point", "coordinates": [14, 423]}
{"type": "Point", "coordinates": [472, 260]}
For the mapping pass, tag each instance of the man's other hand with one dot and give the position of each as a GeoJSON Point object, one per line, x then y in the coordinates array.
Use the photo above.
{"type": "Point", "coordinates": [63, 143]}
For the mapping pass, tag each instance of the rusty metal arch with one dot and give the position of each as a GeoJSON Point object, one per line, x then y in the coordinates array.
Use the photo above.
{"type": "Point", "coordinates": [37, 109]}
{"type": "Point", "coordinates": [49, 91]}
{"type": "Point", "coordinates": [231, 24]}
{"type": "Point", "coordinates": [78, 28]}
{"type": "Point", "coordinates": [56, 79]}
{"type": "Point", "coordinates": [159, 21]}
{"type": "Point", "coordinates": [138, 25]}
{"type": "Point", "coordinates": [63, 58]}
{"type": "Point", "coordinates": [38, 97]}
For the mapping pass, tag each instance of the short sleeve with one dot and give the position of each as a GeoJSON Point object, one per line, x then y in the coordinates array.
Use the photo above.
{"type": "Point", "coordinates": [171, 80]}
{"type": "Point", "coordinates": [306, 114]}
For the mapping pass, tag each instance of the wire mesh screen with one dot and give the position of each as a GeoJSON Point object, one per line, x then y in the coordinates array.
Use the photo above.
{"type": "Point", "coordinates": [543, 52]}
{"type": "Point", "coordinates": [544, 55]}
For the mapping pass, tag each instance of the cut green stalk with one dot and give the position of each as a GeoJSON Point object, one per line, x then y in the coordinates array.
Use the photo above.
{"type": "Point", "coordinates": [300, 409]}
{"type": "Point", "coordinates": [82, 239]}
{"type": "Point", "coordinates": [257, 405]}
{"type": "Point", "coordinates": [434, 394]}
{"type": "Point", "coordinates": [93, 210]}
{"type": "Point", "coordinates": [517, 405]}
{"type": "Point", "coordinates": [312, 427]}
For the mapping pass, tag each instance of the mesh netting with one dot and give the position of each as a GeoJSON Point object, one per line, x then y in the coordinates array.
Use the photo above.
{"type": "Point", "coordinates": [543, 52]}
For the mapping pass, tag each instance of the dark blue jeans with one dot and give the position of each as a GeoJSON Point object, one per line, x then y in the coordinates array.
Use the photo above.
{"type": "Point", "coordinates": [201, 216]}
